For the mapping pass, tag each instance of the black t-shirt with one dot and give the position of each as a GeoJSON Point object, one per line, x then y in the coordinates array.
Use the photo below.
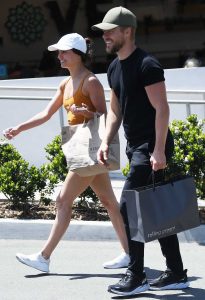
{"type": "Point", "coordinates": [128, 78]}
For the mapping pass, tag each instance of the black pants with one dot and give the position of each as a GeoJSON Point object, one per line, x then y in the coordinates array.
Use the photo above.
{"type": "Point", "coordinates": [139, 175]}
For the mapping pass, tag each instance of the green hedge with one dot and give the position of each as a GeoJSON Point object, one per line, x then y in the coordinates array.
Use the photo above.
{"type": "Point", "coordinates": [20, 182]}
{"type": "Point", "coordinates": [189, 153]}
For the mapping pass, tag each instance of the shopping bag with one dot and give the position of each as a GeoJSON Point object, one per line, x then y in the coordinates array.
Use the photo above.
{"type": "Point", "coordinates": [158, 211]}
{"type": "Point", "coordinates": [80, 144]}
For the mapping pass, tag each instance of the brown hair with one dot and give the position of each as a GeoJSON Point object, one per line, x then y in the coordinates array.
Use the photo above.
{"type": "Point", "coordinates": [132, 31]}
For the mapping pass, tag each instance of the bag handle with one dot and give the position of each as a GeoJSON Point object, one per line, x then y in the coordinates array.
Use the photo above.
{"type": "Point", "coordinates": [152, 175]}
{"type": "Point", "coordinates": [153, 180]}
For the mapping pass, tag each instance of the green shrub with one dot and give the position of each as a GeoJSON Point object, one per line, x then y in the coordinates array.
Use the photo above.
{"type": "Point", "coordinates": [46, 184]}
{"type": "Point", "coordinates": [189, 153]}
{"type": "Point", "coordinates": [8, 152]}
{"type": "Point", "coordinates": [57, 162]}
{"type": "Point", "coordinates": [18, 181]}
{"type": "Point", "coordinates": [126, 170]}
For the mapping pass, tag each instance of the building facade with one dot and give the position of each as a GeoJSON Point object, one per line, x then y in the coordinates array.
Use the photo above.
{"type": "Point", "coordinates": [173, 30]}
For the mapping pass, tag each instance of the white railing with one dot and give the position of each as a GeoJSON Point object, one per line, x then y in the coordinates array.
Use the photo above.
{"type": "Point", "coordinates": [192, 97]}
{"type": "Point", "coordinates": [185, 97]}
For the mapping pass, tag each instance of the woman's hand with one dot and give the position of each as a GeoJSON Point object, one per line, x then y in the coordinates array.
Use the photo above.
{"type": "Point", "coordinates": [81, 110]}
{"type": "Point", "coordinates": [11, 132]}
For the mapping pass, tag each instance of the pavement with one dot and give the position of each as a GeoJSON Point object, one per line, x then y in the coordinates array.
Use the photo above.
{"type": "Point", "coordinates": [76, 264]}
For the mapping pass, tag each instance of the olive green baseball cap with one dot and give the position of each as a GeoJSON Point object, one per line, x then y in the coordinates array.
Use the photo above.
{"type": "Point", "coordinates": [117, 16]}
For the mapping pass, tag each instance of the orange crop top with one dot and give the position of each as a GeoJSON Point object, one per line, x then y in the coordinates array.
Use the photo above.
{"type": "Point", "coordinates": [78, 98]}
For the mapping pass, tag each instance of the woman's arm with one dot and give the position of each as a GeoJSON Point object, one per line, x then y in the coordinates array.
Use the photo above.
{"type": "Point", "coordinates": [39, 118]}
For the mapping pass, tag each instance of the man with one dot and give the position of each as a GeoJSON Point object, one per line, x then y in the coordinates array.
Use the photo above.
{"type": "Point", "coordinates": [138, 100]}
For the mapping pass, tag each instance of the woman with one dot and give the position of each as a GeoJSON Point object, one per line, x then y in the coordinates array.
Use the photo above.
{"type": "Point", "coordinates": [82, 95]}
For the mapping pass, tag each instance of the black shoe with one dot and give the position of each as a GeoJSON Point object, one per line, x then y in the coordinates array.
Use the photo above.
{"type": "Point", "coordinates": [129, 284]}
{"type": "Point", "coordinates": [169, 281]}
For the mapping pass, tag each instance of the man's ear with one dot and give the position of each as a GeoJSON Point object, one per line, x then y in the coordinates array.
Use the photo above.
{"type": "Point", "coordinates": [128, 31]}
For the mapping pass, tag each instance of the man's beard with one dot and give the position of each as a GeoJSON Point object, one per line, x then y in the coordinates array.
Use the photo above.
{"type": "Point", "coordinates": [116, 47]}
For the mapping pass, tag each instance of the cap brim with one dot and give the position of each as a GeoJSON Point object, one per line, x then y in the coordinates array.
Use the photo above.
{"type": "Point", "coordinates": [104, 26]}
{"type": "Point", "coordinates": [56, 47]}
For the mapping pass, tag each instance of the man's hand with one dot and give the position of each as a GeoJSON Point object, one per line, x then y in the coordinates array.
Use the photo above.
{"type": "Point", "coordinates": [102, 154]}
{"type": "Point", "coordinates": [158, 160]}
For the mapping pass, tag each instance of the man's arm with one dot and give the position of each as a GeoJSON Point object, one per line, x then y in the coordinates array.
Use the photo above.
{"type": "Point", "coordinates": [113, 121]}
{"type": "Point", "coordinates": [157, 97]}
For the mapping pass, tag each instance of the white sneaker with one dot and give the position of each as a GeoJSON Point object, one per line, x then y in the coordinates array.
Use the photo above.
{"type": "Point", "coordinates": [36, 261]}
{"type": "Point", "coordinates": [122, 261]}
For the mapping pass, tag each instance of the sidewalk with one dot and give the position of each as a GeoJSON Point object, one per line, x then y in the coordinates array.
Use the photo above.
{"type": "Point", "coordinates": [78, 231]}
{"type": "Point", "coordinates": [77, 273]}
{"type": "Point", "coordinates": [76, 268]}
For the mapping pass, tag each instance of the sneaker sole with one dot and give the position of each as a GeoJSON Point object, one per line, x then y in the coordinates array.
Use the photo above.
{"type": "Point", "coordinates": [140, 289]}
{"type": "Point", "coordinates": [115, 267]}
{"type": "Point", "coordinates": [27, 264]}
{"type": "Point", "coordinates": [175, 286]}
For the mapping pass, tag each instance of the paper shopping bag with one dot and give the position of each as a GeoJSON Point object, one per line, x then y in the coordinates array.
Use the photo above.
{"type": "Point", "coordinates": [80, 144]}
{"type": "Point", "coordinates": [166, 209]}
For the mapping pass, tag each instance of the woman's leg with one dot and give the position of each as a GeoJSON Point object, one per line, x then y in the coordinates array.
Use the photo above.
{"type": "Point", "coordinates": [73, 186]}
{"type": "Point", "coordinates": [101, 185]}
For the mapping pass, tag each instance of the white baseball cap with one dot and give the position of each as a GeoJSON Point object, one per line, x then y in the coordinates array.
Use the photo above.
{"type": "Point", "coordinates": [70, 41]}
